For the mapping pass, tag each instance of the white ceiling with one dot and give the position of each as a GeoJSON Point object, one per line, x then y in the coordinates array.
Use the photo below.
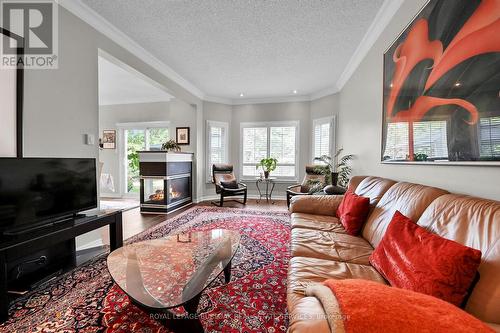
{"type": "Point", "coordinates": [263, 49]}
{"type": "Point", "coordinates": [119, 85]}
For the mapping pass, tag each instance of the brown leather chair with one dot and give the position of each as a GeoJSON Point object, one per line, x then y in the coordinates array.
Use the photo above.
{"type": "Point", "coordinates": [313, 173]}
{"type": "Point", "coordinates": [226, 184]}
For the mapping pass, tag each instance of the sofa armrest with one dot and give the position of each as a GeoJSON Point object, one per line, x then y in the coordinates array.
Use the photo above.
{"type": "Point", "coordinates": [316, 204]}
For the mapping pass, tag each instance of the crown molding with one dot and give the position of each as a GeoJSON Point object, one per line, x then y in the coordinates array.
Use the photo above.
{"type": "Point", "coordinates": [324, 92]}
{"type": "Point", "coordinates": [219, 100]}
{"type": "Point", "coordinates": [382, 19]}
{"type": "Point", "coordinates": [99, 23]}
{"type": "Point", "coordinates": [269, 100]}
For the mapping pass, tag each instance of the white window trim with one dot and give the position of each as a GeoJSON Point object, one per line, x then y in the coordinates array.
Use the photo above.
{"type": "Point", "coordinates": [122, 165]}
{"type": "Point", "coordinates": [212, 123]}
{"type": "Point", "coordinates": [268, 125]}
{"type": "Point", "coordinates": [333, 131]}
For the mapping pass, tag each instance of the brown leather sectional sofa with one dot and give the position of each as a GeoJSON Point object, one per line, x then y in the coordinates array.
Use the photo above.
{"type": "Point", "coordinates": [321, 249]}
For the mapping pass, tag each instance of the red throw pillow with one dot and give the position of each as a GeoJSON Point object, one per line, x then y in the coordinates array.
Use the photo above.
{"type": "Point", "coordinates": [410, 257]}
{"type": "Point", "coordinates": [353, 211]}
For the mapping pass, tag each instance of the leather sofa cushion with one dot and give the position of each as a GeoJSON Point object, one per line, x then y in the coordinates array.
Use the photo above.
{"type": "Point", "coordinates": [303, 271]}
{"type": "Point", "coordinates": [410, 199]}
{"type": "Point", "coordinates": [315, 204]}
{"type": "Point", "coordinates": [316, 222]}
{"type": "Point", "coordinates": [373, 188]}
{"type": "Point", "coordinates": [330, 246]}
{"type": "Point", "coordinates": [473, 222]}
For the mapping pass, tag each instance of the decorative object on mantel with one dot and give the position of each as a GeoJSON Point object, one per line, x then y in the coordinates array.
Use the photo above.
{"type": "Point", "coordinates": [108, 140]}
{"type": "Point", "coordinates": [441, 86]}
{"type": "Point", "coordinates": [182, 135]}
{"type": "Point", "coordinates": [267, 164]}
{"type": "Point", "coordinates": [171, 146]}
{"type": "Point", "coordinates": [337, 173]}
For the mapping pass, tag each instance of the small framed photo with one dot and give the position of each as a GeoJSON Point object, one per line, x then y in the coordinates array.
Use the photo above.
{"type": "Point", "coordinates": [109, 139]}
{"type": "Point", "coordinates": [182, 135]}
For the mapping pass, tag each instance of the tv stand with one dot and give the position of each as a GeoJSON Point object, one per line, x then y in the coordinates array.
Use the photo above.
{"type": "Point", "coordinates": [15, 246]}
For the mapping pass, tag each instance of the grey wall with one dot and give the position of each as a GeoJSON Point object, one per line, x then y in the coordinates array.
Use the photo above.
{"type": "Point", "coordinates": [325, 106]}
{"type": "Point", "coordinates": [360, 125]}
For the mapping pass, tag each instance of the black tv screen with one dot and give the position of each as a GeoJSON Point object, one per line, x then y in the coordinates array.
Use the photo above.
{"type": "Point", "coordinates": [34, 191]}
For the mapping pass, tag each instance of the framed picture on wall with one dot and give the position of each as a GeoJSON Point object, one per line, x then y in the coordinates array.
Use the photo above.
{"type": "Point", "coordinates": [441, 87]}
{"type": "Point", "coordinates": [109, 139]}
{"type": "Point", "coordinates": [182, 135]}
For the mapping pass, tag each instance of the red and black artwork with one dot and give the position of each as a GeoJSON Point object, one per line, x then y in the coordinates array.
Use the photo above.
{"type": "Point", "coordinates": [442, 85]}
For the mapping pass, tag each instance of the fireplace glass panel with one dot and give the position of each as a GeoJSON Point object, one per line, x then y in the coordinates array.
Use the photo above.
{"type": "Point", "coordinates": [154, 191]}
{"type": "Point", "coordinates": [178, 189]}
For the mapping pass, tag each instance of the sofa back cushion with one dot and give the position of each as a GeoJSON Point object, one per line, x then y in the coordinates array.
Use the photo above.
{"type": "Point", "coordinates": [410, 199]}
{"type": "Point", "coordinates": [373, 188]}
{"type": "Point", "coordinates": [473, 222]}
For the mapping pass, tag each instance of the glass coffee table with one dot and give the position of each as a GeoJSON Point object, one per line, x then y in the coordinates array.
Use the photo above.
{"type": "Point", "coordinates": [173, 271]}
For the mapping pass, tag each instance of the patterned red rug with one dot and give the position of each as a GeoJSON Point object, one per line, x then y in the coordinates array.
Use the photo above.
{"type": "Point", "coordinates": [87, 300]}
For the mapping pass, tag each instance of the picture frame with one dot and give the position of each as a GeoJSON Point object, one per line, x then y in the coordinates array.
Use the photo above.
{"type": "Point", "coordinates": [438, 110]}
{"type": "Point", "coordinates": [182, 135]}
{"type": "Point", "coordinates": [109, 139]}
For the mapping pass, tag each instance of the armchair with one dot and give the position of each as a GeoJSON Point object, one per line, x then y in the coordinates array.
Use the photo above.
{"type": "Point", "coordinates": [312, 173]}
{"type": "Point", "coordinates": [226, 184]}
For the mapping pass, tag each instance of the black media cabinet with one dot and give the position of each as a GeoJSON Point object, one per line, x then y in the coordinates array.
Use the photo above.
{"type": "Point", "coordinates": [15, 247]}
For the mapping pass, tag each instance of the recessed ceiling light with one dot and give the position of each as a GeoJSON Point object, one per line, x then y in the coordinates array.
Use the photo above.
{"type": "Point", "coordinates": [458, 84]}
{"type": "Point", "coordinates": [391, 85]}
{"type": "Point", "coordinates": [295, 91]}
{"type": "Point", "coordinates": [241, 95]}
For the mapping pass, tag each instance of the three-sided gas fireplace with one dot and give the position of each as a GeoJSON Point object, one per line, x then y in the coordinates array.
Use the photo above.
{"type": "Point", "coordinates": [166, 181]}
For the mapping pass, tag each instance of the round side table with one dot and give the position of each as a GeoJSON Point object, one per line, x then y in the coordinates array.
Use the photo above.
{"type": "Point", "coordinates": [269, 183]}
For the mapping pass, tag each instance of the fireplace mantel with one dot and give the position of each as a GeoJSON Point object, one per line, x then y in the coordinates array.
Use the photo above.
{"type": "Point", "coordinates": [163, 156]}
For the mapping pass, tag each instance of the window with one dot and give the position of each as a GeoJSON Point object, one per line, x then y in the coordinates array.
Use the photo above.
{"type": "Point", "coordinates": [429, 138]}
{"type": "Point", "coordinates": [396, 146]}
{"type": "Point", "coordinates": [277, 140]}
{"type": "Point", "coordinates": [489, 137]}
{"type": "Point", "coordinates": [322, 137]}
{"type": "Point", "coordinates": [217, 145]}
{"type": "Point", "coordinates": [139, 136]}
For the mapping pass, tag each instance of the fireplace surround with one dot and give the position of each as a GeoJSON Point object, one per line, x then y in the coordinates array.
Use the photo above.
{"type": "Point", "coordinates": [166, 181]}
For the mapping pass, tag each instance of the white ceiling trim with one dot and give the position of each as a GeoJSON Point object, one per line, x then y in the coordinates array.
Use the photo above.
{"type": "Point", "coordinates": [382, 19]}
{"type": "Point", "coordinates": [96, 21]}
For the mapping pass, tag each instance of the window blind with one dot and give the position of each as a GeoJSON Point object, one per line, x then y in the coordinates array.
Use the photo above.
{"type": "Point", "coordinates": [268, 140]}
{"type": "Point", "coordinates": [489, 137]}
{"type": "Point", "coordinates": [217, 133]}
{"type": "Point", "coordinates": [430, 138]}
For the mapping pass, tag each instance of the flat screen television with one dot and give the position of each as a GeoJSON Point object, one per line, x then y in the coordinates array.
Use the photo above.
{"type": "Point", "coordinates": [38, 191]}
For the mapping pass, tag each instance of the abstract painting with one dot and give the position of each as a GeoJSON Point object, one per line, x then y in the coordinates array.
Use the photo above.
{"type": "Point", "coordinates": [441, 98]}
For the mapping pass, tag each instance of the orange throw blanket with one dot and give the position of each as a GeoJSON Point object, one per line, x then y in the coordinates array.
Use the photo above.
{"type": "Point", "coordinates": [373, 307]}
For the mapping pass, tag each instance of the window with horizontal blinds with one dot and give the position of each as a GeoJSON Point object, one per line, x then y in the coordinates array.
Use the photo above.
{"type": "Point", "coordinates": [263, 140]}
{"type": "Point", "coordinates": [397, 145]}
{"type": "Point", "coordinates": [430, 138]}
{"type": "Point", "coordinates": [217, 144]}
{"type": "Point", "coordinates": [489, 137]}
{"type": "Point", "coordinates": [322, 137]}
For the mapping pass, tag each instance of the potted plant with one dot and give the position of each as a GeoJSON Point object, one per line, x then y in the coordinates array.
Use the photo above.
{"type": "Point", "coordinates": [171, 145]}
{"type": "Point", "coordinates": [338, 172]}
{"type": "Point", "coordinates": [268, 164]}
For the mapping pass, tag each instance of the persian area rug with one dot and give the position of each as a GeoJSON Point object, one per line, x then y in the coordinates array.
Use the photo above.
{"type": "Point", "coordinates": [87, 300]}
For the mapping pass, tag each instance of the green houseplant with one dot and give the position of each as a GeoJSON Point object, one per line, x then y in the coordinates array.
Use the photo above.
{"type": "Point", "coordinates": [337, 172]}
{"type": "Point", "coordinates": [171, 145]}
{"type": "Point", "coordinates": [268, 164]}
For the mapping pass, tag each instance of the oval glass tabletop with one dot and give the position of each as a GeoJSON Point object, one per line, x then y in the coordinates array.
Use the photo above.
{"type": "Point", "coordinates": [169, 272]}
